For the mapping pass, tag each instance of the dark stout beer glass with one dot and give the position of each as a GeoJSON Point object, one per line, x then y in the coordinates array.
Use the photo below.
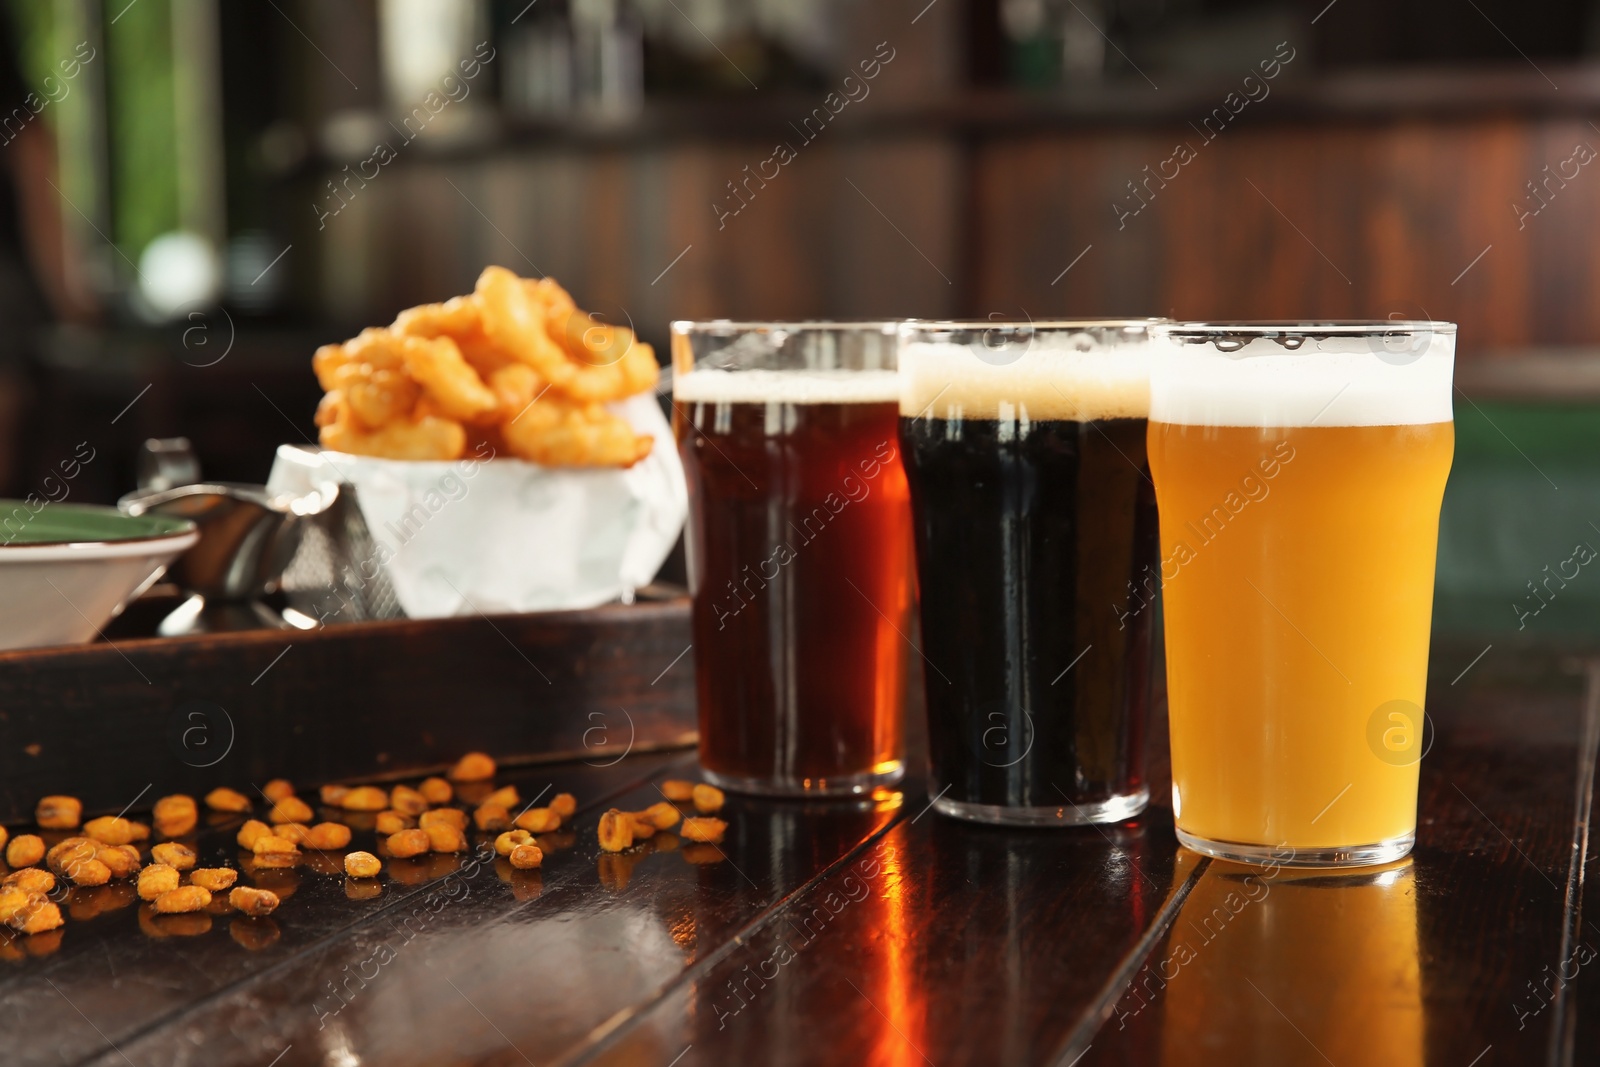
{"type": "Point", "coordinates": [1036, 549]}
{"type": "Point", "coordinates": [799, 546]}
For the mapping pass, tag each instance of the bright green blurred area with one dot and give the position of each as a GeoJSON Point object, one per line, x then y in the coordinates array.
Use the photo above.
{"type": "Point", "coordinates": [141, 137]}
{"type": "Point", "coordinates": [1523, 494]}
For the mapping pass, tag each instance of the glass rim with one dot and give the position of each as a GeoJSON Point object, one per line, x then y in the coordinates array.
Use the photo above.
{"type": "Point", "coordinates": [913, 325]}
{"type": "Point", "coordinates": [1338, 327]}
{"type": "Point", "coordinates": [685, 327]}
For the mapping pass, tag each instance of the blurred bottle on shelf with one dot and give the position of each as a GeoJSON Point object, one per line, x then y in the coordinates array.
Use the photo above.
{"type": "Point", "coordinates": [428, 50]}
{"type": "Point", "coordinates": [573, 56]}
{"type": "Point", "coordinates": [1055, 42]}
{"type": "Point", "coordinates": [537, 78]}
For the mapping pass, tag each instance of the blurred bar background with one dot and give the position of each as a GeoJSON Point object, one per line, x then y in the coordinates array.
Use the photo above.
{"type": "Point", "coordinates": [207, 190]}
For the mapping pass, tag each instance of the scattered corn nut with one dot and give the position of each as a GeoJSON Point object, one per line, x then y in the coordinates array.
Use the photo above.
{"type": "Point", "coordinates": [365, 798]}
{"type": "Point", "coordinates": [444, 816]}
{"type": "Point", "coordinates": [292, 831]}
{"type": "Point", "coordinates": [489, 817]}
{"type": "Point", "coordinates": [37, 916]}
{"type": "Point", "coordinates": [223, 799]}
{"type": "Point", "coordinates": [214, 879]}
{"type": "Point", "coordinates": [13, 899]}
{"type": "Point", "coordinates": [642, 826]}
{"type": "Point", "coordinates": [271, 850]}
{"type": "Point", "coordinates": [176, 815]}
{"type": "Point", "coordinates": [121, 860]}
{"type": "Point", "coordinates": [408, 843]}
{"type": "Point", "coordinates": [5, 835]}
{"type": "Point", "coordinates": [436, 790]}
{"type": "Point", "coordinates": [616, 830]}
{"type": "Point", "coordinates": [156, 879]}
{"type": "Point", "coordinates": [407, 801]}
{"type": "Point", "coordinates": [254, 901]}
{"type": "Point", "coordinates": [109, 830]}
{"type": "Point", "coordinates": [707, 798]}
{"type": "Point", "coordinates": [177, 856]}
{"type": "Point", "coordinates": [275, 860]}
{"type": "Point", "coordinates": [88, 872]}
{"type": "Point", "coordinates": [677, 790]}
{"type": "Point", "coordinates": [564, 805]}
{"type": "Point", "coordinates": [362, 865]}
{"type": "Point", "coordinates": [392, 822]}
{"type": "Point", "coordinates": [662, 815]}
{"type": "Point", "coordinates": [526, 857]}
{"type": "Point", "coordinates": [290, 809]}
{"type": "Point", "coordinates": [333, 795]}
{"type": "Point", "coordinates": [442, 837]}
{"type": "Point", "coordinates": [278, 789]}
{"type": "Point", "coordinates": [708, 830]}
{"type": "Point", "coordinates": [25, 850]}
{"type": "Point", "coordinates": [71, 850]}
{"type": "Point", "coordinates": [506, 796]}
{"type": "Point", "coordinates": [185, 898]}
{"type": "Point", "coordinates": [538, 820]}
{"type": "Point", "coordinates": [251, 831]}
{"type": "Point", "coordinates": [328, 836]}
{"type": "Point", "coordinates": [58, 812]}
{"type": "Point", "coordinates": [30, 880]}
{"type": "Point", "coordinates": [264, 861]}
{"type": "Point", "coordinates": [473, 767]}
{"type": "Point", "coordinates": [508, 841]}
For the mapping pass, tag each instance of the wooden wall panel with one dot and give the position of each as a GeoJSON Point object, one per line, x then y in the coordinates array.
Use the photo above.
{"type": "Point", "coordinates": [1041, 202]}
{"type": "Point", "coordinates": [904, 262]}
{"type": "Point", "coordinates": [1562, 270]}
{"type": "Point", "coordinates": [1338, 220]}
{"type": "Point", "coordinates": [1326, 219]}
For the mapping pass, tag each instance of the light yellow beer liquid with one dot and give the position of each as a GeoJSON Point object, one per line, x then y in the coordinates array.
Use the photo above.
{"type": "Point", "coordinates": [1297, 576]}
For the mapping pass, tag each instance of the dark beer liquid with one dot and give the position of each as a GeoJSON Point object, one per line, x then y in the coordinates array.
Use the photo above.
{"type": "Point", "coordinates": [798, 550]}
{"type": "Point", "coordinates": [1027, 536]}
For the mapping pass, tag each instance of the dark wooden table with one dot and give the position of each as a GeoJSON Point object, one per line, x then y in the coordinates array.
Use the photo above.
{"type": "Point", "coordinates": [884, 933]}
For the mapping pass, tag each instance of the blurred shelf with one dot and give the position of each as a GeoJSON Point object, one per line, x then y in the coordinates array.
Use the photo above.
{"type": "Point", "coordinates": [1361, 96]}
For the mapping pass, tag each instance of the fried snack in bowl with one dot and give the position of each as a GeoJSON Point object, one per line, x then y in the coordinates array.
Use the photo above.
{"type": "Point", "coordinates": [471, 429]}
{"type": "Point", "coordinates": [442, 376]}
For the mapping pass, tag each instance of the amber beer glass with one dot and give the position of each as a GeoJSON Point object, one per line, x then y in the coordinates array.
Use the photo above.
{"type": "Point", "coordinates": [799, 551]}
{"type": "Point", "coordinates": [1036, 546]}
{"type": "Point", "coordinates": [1299, 470]}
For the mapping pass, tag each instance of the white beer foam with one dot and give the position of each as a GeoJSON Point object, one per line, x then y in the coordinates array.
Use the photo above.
{"type": "Point", "coordinates": [787, 387]}
{"type": "Point", "coordinates": [1055, 376]}
{"type": "Point", "coordinates": [1331, 381]}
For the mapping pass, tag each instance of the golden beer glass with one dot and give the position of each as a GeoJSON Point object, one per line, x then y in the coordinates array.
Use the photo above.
{"type": "Point", "coordinates": [1299, 470]}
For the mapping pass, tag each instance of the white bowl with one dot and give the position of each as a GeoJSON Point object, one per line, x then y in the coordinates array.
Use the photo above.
{"type": "Point", "coordinates": [68, 569]}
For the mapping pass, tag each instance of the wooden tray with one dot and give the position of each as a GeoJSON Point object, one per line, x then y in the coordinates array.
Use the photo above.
{"type": "Point", "coordinates": [121, 723]}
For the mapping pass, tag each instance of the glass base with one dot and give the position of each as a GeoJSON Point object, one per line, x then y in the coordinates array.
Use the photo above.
{"type": "Point", "coordinates": [843, 785]}
{"type": "Point", "coordinates": [1285, 856]}
{"type": "Point", "coordinates": [1113, 809]}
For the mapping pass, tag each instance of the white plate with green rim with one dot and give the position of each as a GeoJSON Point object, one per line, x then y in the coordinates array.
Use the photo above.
{"type": "Point", "coordinates": [68, 569]}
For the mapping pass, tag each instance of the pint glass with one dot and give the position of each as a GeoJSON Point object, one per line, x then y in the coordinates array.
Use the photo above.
{"type": "Point", "coordinates": [1299, 470]}
{"type": "Point", "coordinates": [798, 549]}
{"type": "Point", "coordinates": [1035, 520]}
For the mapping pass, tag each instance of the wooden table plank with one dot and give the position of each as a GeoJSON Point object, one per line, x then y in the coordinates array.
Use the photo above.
{"type": "Point", "coordinates": [114, 977]}
{"type": "Point", "coordinates": [534, 970]}
{"type": "Point", "coordinates": [1423, 961]}
{"type": "Point", "coordinates": [963, 944]}
{"type": "Point", "coordinates": [885, 934]}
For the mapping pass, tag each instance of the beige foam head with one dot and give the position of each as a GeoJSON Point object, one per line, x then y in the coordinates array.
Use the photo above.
{"type": "Point", "coordinates": [1070, 375]}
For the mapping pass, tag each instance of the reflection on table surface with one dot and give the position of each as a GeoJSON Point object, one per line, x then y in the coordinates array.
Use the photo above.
{"type": "Point", "coordinates": [1285, 966]}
